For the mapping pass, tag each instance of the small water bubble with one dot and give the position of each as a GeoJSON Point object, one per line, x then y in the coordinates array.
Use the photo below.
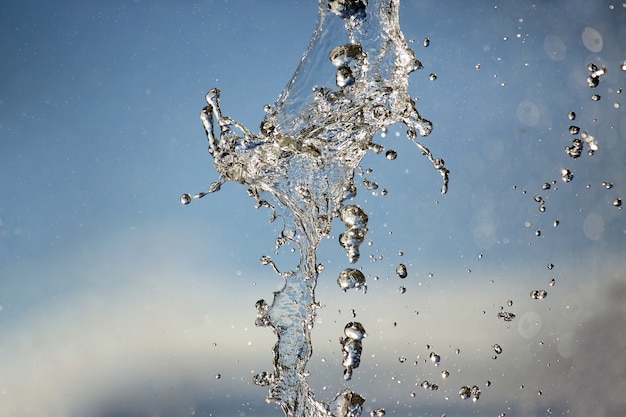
{"type": "Point", "coordinates": [542, 208]}
{"type": "Point", "coordinates": [555, 223]}
{"type": "Point", "coordinates": [617, 202]}
{"type": "Point", "coordinates": [402, 359]}
{"type": "Point", "coordinates": [426, 42]}
{"type": "Point", "coordinates": [545, 186]}
{"type": "Point", "coordinates": [430, 275]}
{"type": "Point", "coordinates": [509, 303]}
{"type": "Point", "coordinates": [432, 77]}
{"type": "Point", "coordinates": [218, 376]}
{"type": "Point", "coordinates": [435, 358]}
{"type": "Point", "coordinates": [538, 294]}
{"type": "Point", "coordinates": [538, 232]}
{"type": "Point", "coordinates": [550, 266]}
{"type": "Point", "coordinates": [401, 271]}
{"type": "Point", "coordinates": [477, 66]}
{"type": "Point", "coordinates": [266, 108]}
{"type": "Point", "coordinates": [623, 66]}
{"type": "Point", "coordinates": [616, 105]}
{"type": "Point", "coordinates": [591, 67]}
{"type": "Point", "coordinates": [607, 185]}
{"type": "Point", "coordinates": [497, 348]}
{"type": "Point", "coordinates": [596, 97]}
{"type": "Point", "coordinates": [571, 115]}
{"type": "Point", "coordinates": [391, 154]}
{"type": "Point", "coordinates": [185, 199]}
{"type": "Point", "coordinates": [618, 91]}
{"type": "Point", "coordinates": [538, 199]}
{"type": "Point", "coordinates": [552, 282]}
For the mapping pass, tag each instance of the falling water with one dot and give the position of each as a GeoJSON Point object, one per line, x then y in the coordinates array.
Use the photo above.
{"type": "Point", "coordinates": [352, 82]}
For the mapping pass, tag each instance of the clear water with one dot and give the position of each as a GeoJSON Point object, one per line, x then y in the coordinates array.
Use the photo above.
{"type": "Point", "coordinates": [351, 83]}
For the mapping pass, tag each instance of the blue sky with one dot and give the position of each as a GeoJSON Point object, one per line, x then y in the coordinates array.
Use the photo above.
{"type": "Point", "coordinates": [118, 300]}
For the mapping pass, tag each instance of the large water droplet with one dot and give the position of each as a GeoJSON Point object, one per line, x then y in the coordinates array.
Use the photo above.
{"type": "Point", "coordinates": [351, 279]}
{"type": "Point", "coordinates": [401, 271]}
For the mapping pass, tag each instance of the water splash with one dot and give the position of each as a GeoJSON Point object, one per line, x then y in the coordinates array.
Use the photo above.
{"type": "Point", "coordinates": [352, 82]}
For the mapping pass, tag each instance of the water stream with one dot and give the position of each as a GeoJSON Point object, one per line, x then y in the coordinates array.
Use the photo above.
{"type": "Point", "coordinates": [352, 82]}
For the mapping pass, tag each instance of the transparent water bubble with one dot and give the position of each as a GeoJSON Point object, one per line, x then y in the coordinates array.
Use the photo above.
{"type": "Point", "coordinates": [351, 278]}
{"type": "Point", "coordinates": [571, 115]}
{"type": "Point", "coordinates": [623, 66]}
{"type": "Point", "coordinates": [445, 374]}
{"type": "Point", "coordinates": [391, 154]}
{"type": "Point", "coordinates": [538, 294]}
{"type": "Point", "coordinates": [596, 97]}
{"type": "Point", "coordinates": [426, 42]}
{"type": "Point", "coordinates": [617, 202]}
{"type": "Point", "coordinates": [574, 130]}
{"type": "Point", "coordinates": [607, 185]}
{"type": "Point", "coordinates": [401, 271]}
{"type": "Point", "coordinates": [435, 358]}
{"type": "Point", "coordinates": [550, 266]}
{"type": "Point", "coordinates": [497, 348]}
{"type": "Point", "coordinates": [355, 330]}
{"type": "Point", "coordinates": [185, 199]}
{"type": "Point", "coordinates": [552, 282]}
{"type": "Point", "coordinates": [402, 289]}
{"type": "Point", "coordinates": [592, 39]}
{"type": "Point", "coordinates": [556, 222]}
{"type": "Point", "coordinates": [432, 77]}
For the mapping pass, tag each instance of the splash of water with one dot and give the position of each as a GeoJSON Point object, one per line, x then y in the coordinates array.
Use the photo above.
{"type": "Point", "coordinates": [351, 82]}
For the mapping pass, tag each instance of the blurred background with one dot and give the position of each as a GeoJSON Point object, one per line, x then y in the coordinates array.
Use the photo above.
{"type": "Point", "coordinates": [115, 300]}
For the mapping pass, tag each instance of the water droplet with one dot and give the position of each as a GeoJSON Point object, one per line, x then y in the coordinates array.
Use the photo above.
{"type": "Point", "coordinates": [432, 77]}
{"type": "Point", "coordinates": [617, 202]}
{"type": "Point", "coordinates": [185, 199]}
{"type": "Point", "coordinates": [509, 303]}
{"type": "Point", "coordinates": [555, 223]}
{"type": "Point", "coordinates": [426, 42]}
{"type": "Point", "coordinates": [566, 175]}
{"type": "Point", "coordinates": [596, 97]}
{"type": "Point", "coordinates": [465, 392]}
{"type": "Point", "coordinates": [545, 186]}
{"type": "Point", "coordinates": [379, 412]}
{"type": "Point", "coordinates": [402, 289]}
{"type": "Point", "coordinates": [550, 266]}
{"type": "Point", "coordinates": [218, 376]}
{"type": "Point", "coordinates": [506, 316]}
{"type": "Point", "coordinates": [537, 232]}
{"type": "Point", "coordinates": [355, 330]}
{"type": "Point", "coordinates": [401, 271]}
{"type": "Point", "coordinates": [538, 294]}
{"type": "Point", "coordinates": [477, 66]}
{"type": "Point", "coordinates": [344, 76]}
{"type": "Point", "coordinates": [593, 80]}
{"type": "Point", "coordinates": [435, 358]}
{"type": "Point", "coordinates": [497, 348]}
{"type": "Point", "coordinates": [623, 66]}
{"type": "Point", "coordinates": [351, 278]}
{"type": "Point", "coordinates": [571, 115]}
{"type": "Point", "coordinates": [607, 185]}
{"type": "Point", "coordinates": [552, 282]}
{"type": "Point", "coordinates": [574, 130]}
{"type": "Point", "coordinates": [391, 154]}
